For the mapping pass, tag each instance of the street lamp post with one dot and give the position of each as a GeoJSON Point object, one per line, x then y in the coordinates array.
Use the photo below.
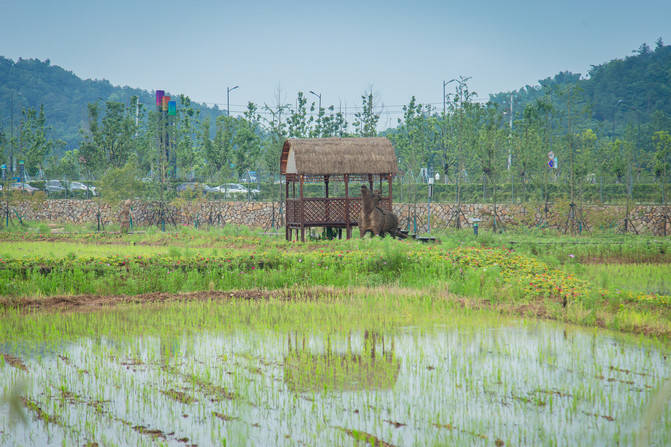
{"type": "Point", "coordinates": [318, 95]}
{"type": "Point", "coordinates": [445, 85]}
{"type": "Point", "coordinates": [228, 99]}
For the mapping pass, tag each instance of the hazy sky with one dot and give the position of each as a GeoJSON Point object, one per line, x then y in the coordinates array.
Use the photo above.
{"type": "Point", "coordinates": [340, 49]}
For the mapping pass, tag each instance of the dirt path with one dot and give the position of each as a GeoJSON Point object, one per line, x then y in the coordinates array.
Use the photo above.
{"type": "Point", "coordinates": [64, 303]}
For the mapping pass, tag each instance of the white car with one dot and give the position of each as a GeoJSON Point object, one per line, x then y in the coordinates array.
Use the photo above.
{"type": "Point", "coordinates": [25, 187]}
{"type": "Point", "coordinates": [78, 186]}
{"type": "Point", "coordinates": [236, 190]}
{"type": "Point", "coordinates": [232, 190]}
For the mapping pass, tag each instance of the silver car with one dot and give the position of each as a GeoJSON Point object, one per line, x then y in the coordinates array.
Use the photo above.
{"type": "Point", "coordinates": [81, 187]}
{"type": "Point", "coordinates": [54, 186]}
{"type": "Point", "coordinates": [232, 190]}
{"type": "Point", "coordinates": [25, 187]}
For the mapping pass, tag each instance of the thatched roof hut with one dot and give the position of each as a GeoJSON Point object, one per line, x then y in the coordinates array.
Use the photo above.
{"type": "Point", "coordinates": [333, 160]}
{"type": "Point", "coordinates": [334, 156]}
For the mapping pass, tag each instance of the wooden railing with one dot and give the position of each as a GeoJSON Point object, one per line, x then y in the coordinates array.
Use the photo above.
{"type": "Point", "coordinates": [326, 211]}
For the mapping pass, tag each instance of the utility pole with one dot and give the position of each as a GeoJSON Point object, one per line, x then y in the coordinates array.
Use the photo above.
{"type": "Point", "coordinates": [11, 133]}
{"type": "Point", "coordinates": [137, 114]}
{"type": "Point", "coordinates": [318, 95]}
{"type": "Point", "coordinates": [12, 166]}
{"type": "Point", "coordinates": [228, 99]}
{"type": "Point", "coordinates": [510, 152]}
{"type": "Point", "coordinates": [445, 83]}
{"type": "Point", "coordinates": [573, 222]}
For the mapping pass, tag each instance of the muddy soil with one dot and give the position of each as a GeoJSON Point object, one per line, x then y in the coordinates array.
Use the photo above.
{"type": "Point", "coordinates": [91, 302]}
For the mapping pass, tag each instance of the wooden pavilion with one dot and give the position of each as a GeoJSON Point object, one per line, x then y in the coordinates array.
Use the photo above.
{"type": "Point", "coordinates": [350, 161]}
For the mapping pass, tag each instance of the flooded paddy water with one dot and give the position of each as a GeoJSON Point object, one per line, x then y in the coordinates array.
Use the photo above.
{"type": "Point", "coordinates": [321, 374]}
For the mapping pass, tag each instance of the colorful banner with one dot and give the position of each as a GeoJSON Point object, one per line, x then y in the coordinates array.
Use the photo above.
{"type": "Point", "coordinates": [159, 97]}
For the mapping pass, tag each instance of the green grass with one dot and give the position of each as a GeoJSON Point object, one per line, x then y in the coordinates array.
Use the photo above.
{"type": "Point", "coordinates": [637, 278]}
{"type": "Point", "coordinates": [373, 340]}
{"type": "Point", "coordinates": [509, 270]}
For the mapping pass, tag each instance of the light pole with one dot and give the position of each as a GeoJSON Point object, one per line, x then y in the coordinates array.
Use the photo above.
{"type": "Point", "coordinates": [630, 159]}
{"type": "Point", "coordinates": [318, 95]}
{"type": "Point", "coordinates": [445, 85]}
{"type": "Point", "coordinates": [228, 99]}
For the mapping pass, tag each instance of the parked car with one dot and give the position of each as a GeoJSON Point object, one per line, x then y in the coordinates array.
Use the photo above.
{"type": "Point", "coordinates": [194, 186]}
{"type": "Point", "coordinates": [232, 190]}
{"type": "Point", "coordinates": [236, 190]}
{"type": "Point", "coordinates": [25, 187]}
{"type": "Point", "coordinates": [81, 187]}
{"type": "Point", "coordinates": [54, 187]}
{"type": "Point", "coordinates": [187, 186]}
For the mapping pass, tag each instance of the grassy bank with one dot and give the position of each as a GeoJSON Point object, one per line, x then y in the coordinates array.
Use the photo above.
{"type": "Point", "coordinates": [544, 274]}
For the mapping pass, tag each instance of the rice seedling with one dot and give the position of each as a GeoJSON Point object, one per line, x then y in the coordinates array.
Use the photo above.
{"type": "Point", "coordinates": [343, 369]}
{"type": "Point", "coordinates": [232, 337]}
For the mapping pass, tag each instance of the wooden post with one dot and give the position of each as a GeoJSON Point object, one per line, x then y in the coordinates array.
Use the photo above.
{"type": "Point", "coordinates": [287, 230]}
{"type": "Point", "coordinates": [370, 182]}
{"type": "Point", "coordinates": [302, 212]}
{"type": "Point", "coordinates": [347, 219]}
{"type": "Point", "coordinates": [390, 197]}
{"type": "Point", "coordinates": [326, 183]}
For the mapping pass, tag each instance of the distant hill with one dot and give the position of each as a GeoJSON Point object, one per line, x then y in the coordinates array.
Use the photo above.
{"type": "Point", "coordinates": [31, 82]}
{"type": "Point", "coordinates": [633, 90]}
{"type": "Point", "coordinates": [636, 89]}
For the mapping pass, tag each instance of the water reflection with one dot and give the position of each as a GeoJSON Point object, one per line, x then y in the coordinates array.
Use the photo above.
{"type": "Point", "coordinates": [464, 383]}
{"type": "Point", "coordinates": [372, 366]}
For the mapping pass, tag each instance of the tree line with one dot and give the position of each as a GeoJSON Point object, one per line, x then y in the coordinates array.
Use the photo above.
{"type": "Point", "coordinates": [465, 142]}
{"type": "Point", "coordinates": [470, 142]}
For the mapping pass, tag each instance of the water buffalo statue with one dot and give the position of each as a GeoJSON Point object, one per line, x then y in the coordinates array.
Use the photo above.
{"type": "Point", "coordinates": [375, 219]}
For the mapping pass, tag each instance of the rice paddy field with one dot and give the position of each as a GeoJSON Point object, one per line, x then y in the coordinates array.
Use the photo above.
{"type": "Point", "coordinates": [234, 337]}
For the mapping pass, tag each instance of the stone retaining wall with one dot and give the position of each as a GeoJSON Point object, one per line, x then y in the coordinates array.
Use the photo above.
{"type": "Point", "coordinates": [645, 218]}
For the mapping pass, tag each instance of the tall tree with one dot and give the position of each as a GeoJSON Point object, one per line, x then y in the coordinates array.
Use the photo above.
{"type": "Point", "coordinates": [109, 140]}
{"type": "Point", "coordinates": [365, 121]}
{"type": "Point", "coordinates": [247, 140]}
{"type": "Point", "coordinates": [36, 146]}
{"type": "Point", "coordinates": [189, 158]}
{"type": "Point", "coordinates": [299, 122]}
{"type": "Point", "coordinates": [490, 154]}
{"type": "Point", "coordinates": [662, 160]}
{"type": "Point", "coordinates": [218, 152]}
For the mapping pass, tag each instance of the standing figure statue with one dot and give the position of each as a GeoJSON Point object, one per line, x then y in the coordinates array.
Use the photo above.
{"type": "Point", "coordinates": [124, 217]}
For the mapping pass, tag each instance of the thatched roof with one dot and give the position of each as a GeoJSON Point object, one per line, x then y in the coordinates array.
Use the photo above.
{"type": "Point", "coordinates": [324, 156]}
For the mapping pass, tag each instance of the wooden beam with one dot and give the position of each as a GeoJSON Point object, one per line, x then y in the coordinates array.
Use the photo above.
{"type": "Point", "coordinates": [390, 197]}
{"type": "Point", "coordinates": [302, 212]}
{"type": "Point", "coordinates": [326, 184]}
{"type": "Point", "coordinates": [347, 219]}
{"type": "Point", "coordinates": [286, 210]}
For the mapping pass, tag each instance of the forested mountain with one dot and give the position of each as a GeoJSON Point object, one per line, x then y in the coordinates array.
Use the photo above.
{"type": "Point", "coordinates": [615, 123]}
{"type": "Point", "coordinates": [31, 83]}
{"type": "Point", "coordinates": [610, 96]}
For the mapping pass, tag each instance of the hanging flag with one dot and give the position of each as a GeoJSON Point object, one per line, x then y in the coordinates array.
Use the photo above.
{"type": "Point", "coordinates": [159, 97]}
